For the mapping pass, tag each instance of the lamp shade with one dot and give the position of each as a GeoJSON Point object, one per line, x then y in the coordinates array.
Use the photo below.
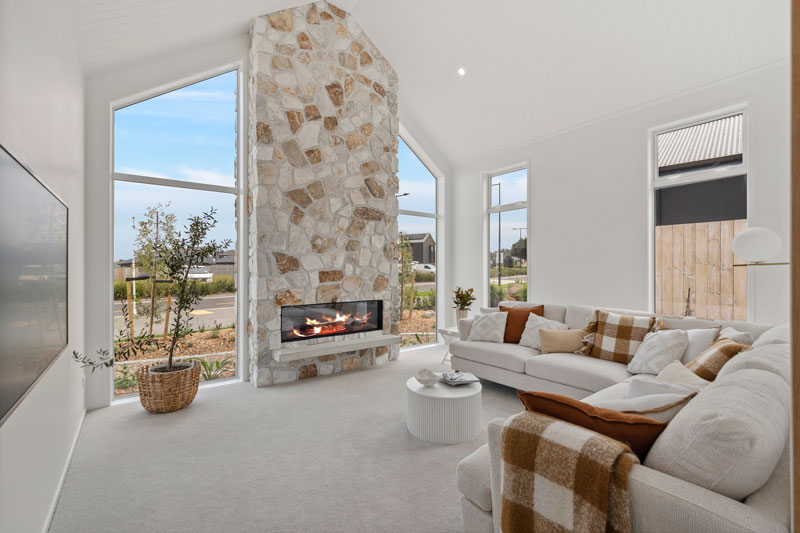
{"type": "Point", "coordinates": [757, 244]}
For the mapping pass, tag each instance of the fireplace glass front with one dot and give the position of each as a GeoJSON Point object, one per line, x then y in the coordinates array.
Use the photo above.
{"type": "Point", "coordinates": [300, 322]}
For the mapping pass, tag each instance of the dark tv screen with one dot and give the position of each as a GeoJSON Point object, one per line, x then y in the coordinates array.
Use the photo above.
{"type": "Point", "coordinates": [33, 281]}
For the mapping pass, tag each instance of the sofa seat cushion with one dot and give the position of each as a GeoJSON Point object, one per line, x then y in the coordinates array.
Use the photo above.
{"type": "Point", "coordinates": [509, 356]}
{"type": "Point", "coordinates": [473, 478]}
{"type": "Point", "coordinates": [587, 373]}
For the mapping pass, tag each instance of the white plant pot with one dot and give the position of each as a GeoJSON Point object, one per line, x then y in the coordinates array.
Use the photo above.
{"type": "Point", "coordinates": [462, 313]}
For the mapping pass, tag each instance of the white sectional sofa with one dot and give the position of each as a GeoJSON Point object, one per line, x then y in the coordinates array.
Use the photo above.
{"type": "Point", "coordinates": [659, 502]}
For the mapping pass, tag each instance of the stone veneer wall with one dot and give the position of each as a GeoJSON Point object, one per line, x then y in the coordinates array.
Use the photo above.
{"type": "Point", "coordinates": [322, 165]}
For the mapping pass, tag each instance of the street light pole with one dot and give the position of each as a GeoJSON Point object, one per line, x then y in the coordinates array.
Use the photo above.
{"type": "Point", "coordinates": [499, 234]}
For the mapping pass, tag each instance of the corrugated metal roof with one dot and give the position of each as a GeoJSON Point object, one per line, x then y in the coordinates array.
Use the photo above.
{"type": "Point", "coordinates": [701, 142]}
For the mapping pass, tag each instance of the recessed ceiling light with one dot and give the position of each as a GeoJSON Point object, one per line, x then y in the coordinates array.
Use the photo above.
{"type": "Point", "coordinates": [461, 71]}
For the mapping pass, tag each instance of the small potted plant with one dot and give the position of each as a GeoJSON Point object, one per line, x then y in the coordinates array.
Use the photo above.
{"type": "Point", "coordinates": [166, 387]}
{"type": "Point", "coordinates": [462, 298]}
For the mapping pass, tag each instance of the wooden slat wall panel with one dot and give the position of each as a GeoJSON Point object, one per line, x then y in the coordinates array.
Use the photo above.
{"type": "Point", "coordinates": [666, 265]}
{"type": "Point", "coordinates": [659, 273]}
{"type": "Point", "coordinates": [739, 279]}
{"type": "Point", "coordinates": [701, 269]}
{"type": "Point", "coordinates": [713, 270]}
{"type": "Point", "coordinates": [726, 270]}
{"type": "Point", "coordinates": [677, 271]}
{"type": "Point", "coordinates": [700, 257]}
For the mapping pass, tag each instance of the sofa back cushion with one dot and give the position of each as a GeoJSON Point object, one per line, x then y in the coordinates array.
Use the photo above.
{"type": "Point", "coordinates": [672, 322]}
{"type": "Point", "coordinates": [576, 316]}
{"type": "Point", "coordinates": [729, 438]}
{"type": "Point", "coordinates": [516, 321]}
{"type": "Point", "coordinates": [780, 334]}
{"type": "Point", "coordinates": [551, 311]}
{"type": "Point", "coordinates": [775, 358]}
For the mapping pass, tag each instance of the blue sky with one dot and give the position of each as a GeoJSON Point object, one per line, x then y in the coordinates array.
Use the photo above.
{"type": "Point", "coordinates": [190, 134]}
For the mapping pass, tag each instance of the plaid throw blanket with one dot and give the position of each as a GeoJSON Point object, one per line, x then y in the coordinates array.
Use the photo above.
{"type": "Point", "coordinates": [560, 477]}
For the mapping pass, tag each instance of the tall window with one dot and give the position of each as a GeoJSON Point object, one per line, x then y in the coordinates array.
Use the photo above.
{"type": "Point", "coordinates": [700, 205]}
{"type": "Point", "coordinates": [175, 157]}
{"type": "Point", "coordinates": [417, 243]}
{"type": "Point", "coordinates": [508, 236]}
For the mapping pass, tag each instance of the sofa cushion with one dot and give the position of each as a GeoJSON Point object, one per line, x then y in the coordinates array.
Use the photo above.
{"type": "Point", "coordinates": [561, 340]}
{"type": "Point", "coordinates": [658, 407]}
{"type": "Point", "coordinates": [658, 349]}
{"type": "Point", "coordinates": [473, 478]}
{"type": "Point", "coordinates": [729, 438]}
{"type": "Point", "coordinates": [615, 337]}
{"type": "Point", "coordinates": [489, 327]}
{"type": "Point", "coordinates": [579, 371]}
{"type": "Point", "coordinates": [535, 323]}
{"type": "Point", "coordinates": [699, 341]}
{"type": "Point", "coordinates": [709, 363]}
{"type": "Point", "coordinates": [638, 432]}
{"type": "Point", "coordinates": [740, 337]}
{"type": "Point", "coordinates": [516, 321]}
{"type": "Point", "coordinates": [509, 356]}
{"type": "Point", "coordinates": [778, 335]}
{"type": "Point", "coordinates": [551, 311]}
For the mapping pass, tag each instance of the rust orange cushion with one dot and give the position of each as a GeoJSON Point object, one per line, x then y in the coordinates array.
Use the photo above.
{"type": "Point", "coordinates": [636, 431]}
{"type": "Point", "coordinates": [517, 318]}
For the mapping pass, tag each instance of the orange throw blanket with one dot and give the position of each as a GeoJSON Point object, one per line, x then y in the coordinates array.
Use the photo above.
{"type": "Point", "coordinates": [560, 477]}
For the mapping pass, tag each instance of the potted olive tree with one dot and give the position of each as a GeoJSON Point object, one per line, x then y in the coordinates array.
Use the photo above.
{"type": "Point", "coordinates": [463, 298]}
{"type": "Point", "coordinates": [166, 387]}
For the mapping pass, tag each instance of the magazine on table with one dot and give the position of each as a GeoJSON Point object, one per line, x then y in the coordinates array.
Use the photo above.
{"type": "Point", "coordinates": [459, 378]}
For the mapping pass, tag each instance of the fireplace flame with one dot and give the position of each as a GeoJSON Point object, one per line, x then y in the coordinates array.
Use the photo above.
{"type": "Point", "coordinates": [330, 325]}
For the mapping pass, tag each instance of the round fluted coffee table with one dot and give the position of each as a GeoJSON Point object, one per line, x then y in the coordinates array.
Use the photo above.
{"type": "Point", "coordinates": [442, 414]}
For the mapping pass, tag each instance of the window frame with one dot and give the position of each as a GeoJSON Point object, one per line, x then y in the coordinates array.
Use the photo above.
{"type": "Point", "coordinates": [655, 182]}
{"type": "Point", "coordinates": [239, 190]}
{"type": "Point", "coordinates": [439, 217]}
{"type": "Point", "coordinates": [502, 208]}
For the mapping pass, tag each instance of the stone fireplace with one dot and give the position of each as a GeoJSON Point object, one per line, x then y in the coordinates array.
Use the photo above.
{"type": "Point", "coordinates": [323, 211]}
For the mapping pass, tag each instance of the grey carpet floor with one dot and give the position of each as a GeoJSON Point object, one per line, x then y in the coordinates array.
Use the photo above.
{"type": "Point", "coordinates": [327, 454]}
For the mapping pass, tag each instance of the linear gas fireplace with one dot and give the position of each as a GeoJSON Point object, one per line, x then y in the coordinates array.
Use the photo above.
{"type": "Point", "coordinates": [300, 322]}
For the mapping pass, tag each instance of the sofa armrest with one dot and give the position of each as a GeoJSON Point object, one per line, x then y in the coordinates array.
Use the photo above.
{"type": "Point", "coordinates": [663, 503]}
{"type": "Point", "coordinates": [495, 429]}
{"type": "Point", "coordinates": [464, 327]}
{"type": "Point", "coordinates": [658, 502]}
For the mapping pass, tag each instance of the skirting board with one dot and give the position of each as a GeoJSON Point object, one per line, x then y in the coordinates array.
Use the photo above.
{"type": "Point", "coordinates": [294, 353]}
{"type": "Point", "coordinates": [61, 481]}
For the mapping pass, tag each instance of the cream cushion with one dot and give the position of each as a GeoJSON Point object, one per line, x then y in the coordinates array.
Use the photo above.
{"type": "Point", "coordinates": [530, 337]}
{"type": "Point", "coordinates": [676, 372]}
{"type": "Point", "coordinates": [699, 341]}
{"type": "Point", "coordinates": [777, 335]}
{"type": "Point", "coordinates": [561, 340]}
{"type": "Point", "coordinates": [658, 349]}
{"type": "Point", "coordinates": [490, 327]}
{"type": "Point", "coordinates": [729, 438]}
{"type": "Point", "coordinates": [740, 337]}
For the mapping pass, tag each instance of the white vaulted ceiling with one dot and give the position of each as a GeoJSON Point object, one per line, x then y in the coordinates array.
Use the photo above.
{"type": "Point", "coordinates": [534, 67]}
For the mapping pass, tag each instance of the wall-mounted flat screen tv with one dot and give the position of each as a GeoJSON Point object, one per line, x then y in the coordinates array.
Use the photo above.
{"type": "Point", "coordinates": [33, 281]}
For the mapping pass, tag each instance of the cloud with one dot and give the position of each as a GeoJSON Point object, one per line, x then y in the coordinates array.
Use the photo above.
{"type": "Point", "coordinates": [210, 177]}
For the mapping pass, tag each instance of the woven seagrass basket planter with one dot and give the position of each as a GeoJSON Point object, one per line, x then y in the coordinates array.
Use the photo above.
{"type": "Point", "coordinates": [164, 392]}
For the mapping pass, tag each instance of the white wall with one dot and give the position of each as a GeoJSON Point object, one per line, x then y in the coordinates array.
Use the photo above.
{"type": "Point", "coordinates": [41, 123]}
{"type": "Point", "coordinates": [588, 205]}
{"type": "Point", "coordinates": [104, 91]}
